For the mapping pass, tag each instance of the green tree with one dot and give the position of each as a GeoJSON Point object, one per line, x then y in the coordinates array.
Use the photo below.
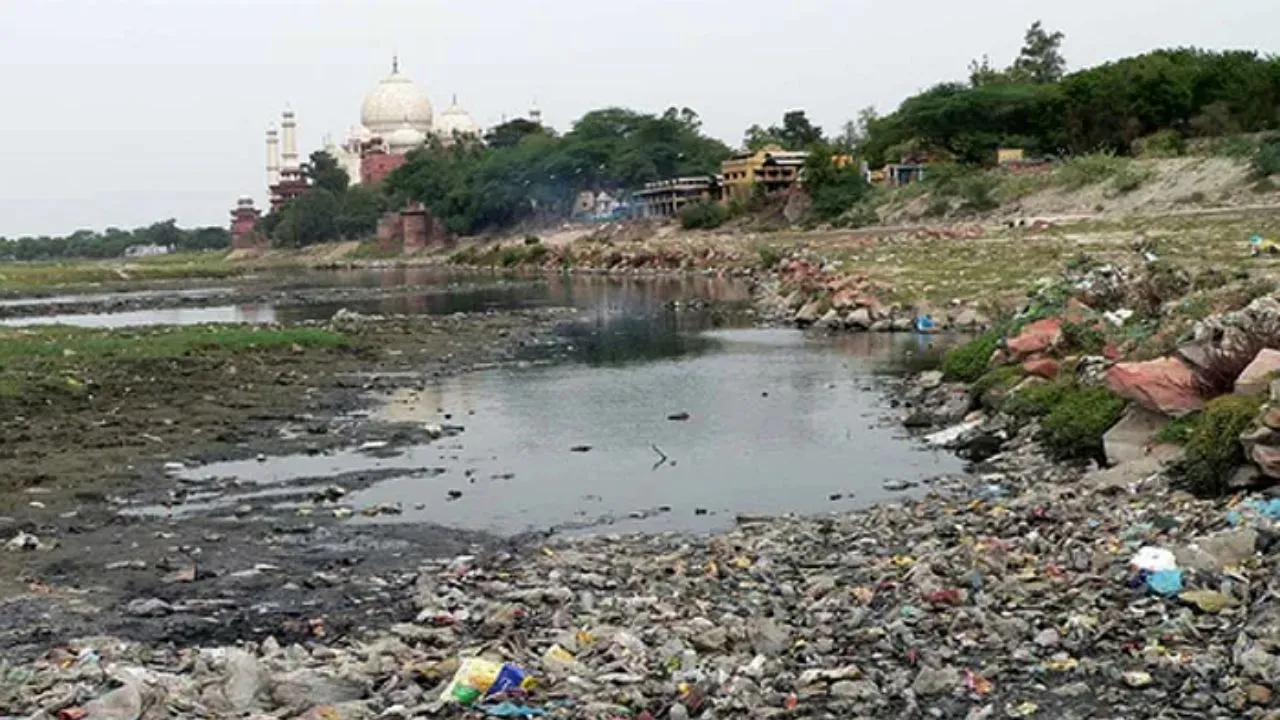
{"type": "Point", "coordinates": [758, 138]}
{"type": "Point", "coordinates": [1041, 58]}
{"type": "Point", "coordinates": [510, 133]}
{"type": "Point", "coordinates": [359, 209]}
{"type": "Point", "coordinates": [833, 182]}
{"type": "Point", "coordinates": [324, 172]}
{"type": "Point", "coordinates": [797, 132]}
{"type": "Point", "coordinates": [308, 219]}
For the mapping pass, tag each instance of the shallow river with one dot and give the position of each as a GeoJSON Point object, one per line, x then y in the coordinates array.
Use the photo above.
{"type": "Point", "coordinates": [776, 421]}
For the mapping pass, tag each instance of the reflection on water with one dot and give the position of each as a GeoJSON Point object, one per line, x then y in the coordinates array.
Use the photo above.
{"type": "Point", "coordinates": [257, 314]}
{"type": "Point", "coordinates": [777, 423]}
{"type": "Point", "coordinates": [455, 292]}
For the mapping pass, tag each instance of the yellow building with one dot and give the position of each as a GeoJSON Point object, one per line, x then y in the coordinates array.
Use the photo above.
{"type": "Point", "coordinates": [771, 167]}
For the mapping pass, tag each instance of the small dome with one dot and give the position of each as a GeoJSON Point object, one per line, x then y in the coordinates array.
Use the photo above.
{"type": "Point", "coordinates": [404, 139]}
{"type": "Point", "coordinates": [396, 100]}
{"type": "Point", "coordinates": [456, 120]}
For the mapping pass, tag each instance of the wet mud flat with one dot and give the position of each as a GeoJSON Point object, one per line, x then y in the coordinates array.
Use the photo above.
{"type": "Point", "coordinates": [308, 295]}
{"type": "Point", "coordinates": [71, 462]}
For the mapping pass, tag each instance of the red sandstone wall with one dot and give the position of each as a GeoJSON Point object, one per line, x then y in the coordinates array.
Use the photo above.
{"type": "Point", "coordinates": [375, 168]}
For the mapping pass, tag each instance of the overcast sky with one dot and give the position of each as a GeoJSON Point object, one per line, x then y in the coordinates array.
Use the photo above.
{"type": "Point", "coordinates": [122, 112]}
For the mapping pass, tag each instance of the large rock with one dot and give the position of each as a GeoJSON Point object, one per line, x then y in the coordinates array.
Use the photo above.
{"type": "Point", "coordinates": [1129, 439]}
{"type": "Point", "coordinates": [1165, 385]}
{"type": "Point", "coordinates": [1040, 336]}
{"type": "Point", "coordinates": [1120, 476]}
{"type": "Point", "coordinates": [970, 319]}
{"type": "Point", "coordinates": [1256, 378]}
{"type": "Point", "coordinates": [830, 321]}
{"type": "Point", "coordinates": [859, 319]}
{"type": "Point", "coordinates": [1267, 458]}
{"type": "Point", "coordinates": [936, 682]}
{"type": "Point", "coordinates": [808, 314]}
{"type": "Point", "coordinates": [1041, 366]}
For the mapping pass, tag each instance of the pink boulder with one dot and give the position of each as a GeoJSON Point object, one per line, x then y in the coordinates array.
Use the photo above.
{"type": "Point", "coordinates": [1037, 337]}
{"type": "Point", "coordinates": [1165, 385]}
{"type": "Point", "coordinates": [1256, 378]}
{"type": "Point", "coordinates": [1041, 366]}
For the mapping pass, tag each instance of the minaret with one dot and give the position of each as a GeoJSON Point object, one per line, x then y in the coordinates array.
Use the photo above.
{"type": "Point", "coordinates": [535, 114]}
{"type": "Point", "coordinates": [290, 155]}
{"type": "Point", "coordinates": [273, 158]}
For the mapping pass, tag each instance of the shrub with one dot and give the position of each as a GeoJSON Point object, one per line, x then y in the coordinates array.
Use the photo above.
{"type": "Point", "coordinates": [1084, 170]}
{"type": "Point", "coordinates": [1130, 178]}
{"type": "Point", "coordinates": [1213, 445]}
{"type": "Point", "coordinates": [770, 256]}
{"type": "Point", "coordinates": [1000, 378]}
{"type": "Point", "coordinates": [968, 362]}
{"type": "Point", "coordinates": [1222, 364]}
{"type": "Point", "coordinates": [1179, 430]}
{"type": "Point", "coordinates": [532, 240]}
{"type": "Point", "coordinates": [703, 216]}
{"type": "Point", "coordinates": [1266, 159]}
{"type": "Point", "coordinates": [1073, 428]}
{"type": "Point", "coordinates": [511, 256]}
{"type": "Point", "coordinates": [1083, 337]}
{"type": "Point", "coordinates": [976, 193]}
{"type": "Point", "coordinates": [1163, 144]}
{"type": "Point", "coordinates": [536, 254]}
{"type": "Point", "coordinates": [1235, 146]}
{"type": "Point", "coordinates": [1035, 400]}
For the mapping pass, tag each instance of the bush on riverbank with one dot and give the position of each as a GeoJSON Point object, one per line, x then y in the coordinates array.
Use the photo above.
{"type": "Point", "coordinates": [1213, 444]}
{"type": "Point", "coordinates": [703, 216]}
{"type": "Point", "coordinates": [968, 363]}
{"type": "Point", "coordinates": [1073, 428]}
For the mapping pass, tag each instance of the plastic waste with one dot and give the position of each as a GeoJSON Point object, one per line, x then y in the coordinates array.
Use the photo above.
{"type": "Point", "coordinates": [479, 678]}
{"type": "Point", "coordinates": [925, 324]}
{"type": "Point", "coordinates": [1154, 559]}
{"type": "Point", "coordinates": [1269, 509]}
{"type": "Point", "coordinates": [1165, 582]}
{"type": "Point", "coordinates": [507, 709]}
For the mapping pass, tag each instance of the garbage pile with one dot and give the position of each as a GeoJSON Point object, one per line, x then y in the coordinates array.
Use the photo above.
{"type": "Point", "coordinates": [1023, 593]}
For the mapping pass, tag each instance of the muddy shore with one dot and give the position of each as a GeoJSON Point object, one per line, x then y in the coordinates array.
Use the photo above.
{"type": "Point", "coordinates": [71, 464]}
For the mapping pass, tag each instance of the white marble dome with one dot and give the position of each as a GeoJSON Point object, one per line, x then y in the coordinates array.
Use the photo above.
{"type": "Point", "coordinates": [404, 139]}
{"type": "Point", "coordinates": [456, 120]}
{"type": "Point", "coordinates": [395, 102]}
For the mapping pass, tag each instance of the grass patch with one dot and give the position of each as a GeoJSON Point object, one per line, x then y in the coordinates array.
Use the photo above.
{"type": "Point", "coordinates": [1074, 426]}
{"type": "Point", "coordinates": [23, 276]}
{"type": "Point", "coordinates": [1179, 430]}
{"type": "Point", "coordinates": [968, 362]}
{"type": "Point", "coordinates": [1035, 400]}
{"type": "Point", "coordinates": [38, 365]}
{"type": "Point", "coordinates": [76, 345]}
{"type": "Point", "coordinates": [1213, 444]}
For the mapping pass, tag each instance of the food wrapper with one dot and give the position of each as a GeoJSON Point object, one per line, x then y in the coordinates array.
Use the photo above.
{"type": "Point", "coordinates": [478, 678]}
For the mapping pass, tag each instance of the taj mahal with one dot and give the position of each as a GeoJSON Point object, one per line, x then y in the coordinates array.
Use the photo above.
{"type": "Point", "coordinates": [395, 118]}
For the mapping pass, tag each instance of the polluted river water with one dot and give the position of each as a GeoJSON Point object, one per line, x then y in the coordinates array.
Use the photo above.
{"type": "Point", "coordinates": [671, 418]}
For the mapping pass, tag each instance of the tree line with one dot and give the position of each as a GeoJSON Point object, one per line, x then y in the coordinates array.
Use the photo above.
{"type": "Point", "coordinates": [1035, 104]}
{"type": "Point", "coordinates": [113, 242]}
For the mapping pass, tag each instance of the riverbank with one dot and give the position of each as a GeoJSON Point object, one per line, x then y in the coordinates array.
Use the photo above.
{"type": "Point", "coordinates": [95, 420]}
{"type": "Point", "coordinates": [1007, 595]}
